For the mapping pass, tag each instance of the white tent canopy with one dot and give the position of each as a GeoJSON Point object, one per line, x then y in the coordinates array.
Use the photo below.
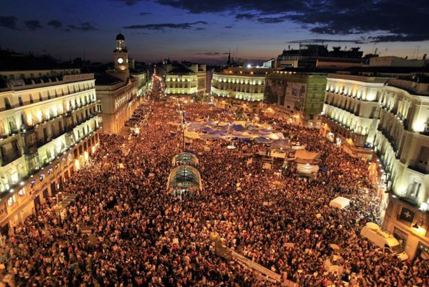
{"type": "Point", "coordinates": [340, 202]}
{"type": "Point", "coordinates": [307, 168]}
{"type": "Point", "coordinates": [305, 156]}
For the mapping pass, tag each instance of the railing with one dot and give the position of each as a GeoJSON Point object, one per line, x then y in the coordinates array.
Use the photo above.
{"type": "Point", "coordinates": [252, 265]}
{"type": "Point", "coordinates": [357, 78]}
{"type": "Point", "coordinates": [390, 138]}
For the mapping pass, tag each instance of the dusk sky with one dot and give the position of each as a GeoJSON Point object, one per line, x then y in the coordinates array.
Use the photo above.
{"type": "Point", "coordinates": [199, 30]}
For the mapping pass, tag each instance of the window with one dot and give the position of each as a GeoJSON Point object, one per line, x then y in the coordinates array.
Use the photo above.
{"type": "Point", "coordinates": [7, 104]}
{"type": "Point", "coordinates": [11, 201]}
{"type": "Point", "coordinates": [15, 146]}
{"type": "Point", "coordinates": [414, 189]}
{"type": "Point", "coordinates": [401, 236]}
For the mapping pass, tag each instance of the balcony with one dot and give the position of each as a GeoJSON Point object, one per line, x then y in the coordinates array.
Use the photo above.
{"type": "Point", "coordinates": [25, 129]}
{"type": "Point", "coordinates": [8, 135]}
{"type": "Point", "coordinates": [390, 138]}
{"type": "Point", "coordinates": [8, 158]}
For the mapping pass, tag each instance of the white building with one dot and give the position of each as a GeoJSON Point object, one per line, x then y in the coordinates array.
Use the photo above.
{"type": "Point", "coordinates": [240, 87]}
{"type": "Point", "coordinates": [402, 144]}
{"type": "Point", "coordinates": [48, 129]}
{"type": "Point", "coordinates": [351, 111]}
{"type": "Point", "coordinates": [185, 79]}
{"type": "Point", "coordinates": [392, 116]}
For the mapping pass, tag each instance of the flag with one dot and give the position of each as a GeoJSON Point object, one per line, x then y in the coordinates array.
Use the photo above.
{"type": "Point", "coordinates": [406, 215]}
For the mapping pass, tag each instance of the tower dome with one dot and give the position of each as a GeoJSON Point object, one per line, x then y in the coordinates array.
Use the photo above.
{"type": "Point", "coordinates": [120, 37]}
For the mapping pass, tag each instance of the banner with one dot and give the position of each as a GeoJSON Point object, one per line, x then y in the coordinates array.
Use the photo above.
{"type": "Point", "coordinates": [406, 215]}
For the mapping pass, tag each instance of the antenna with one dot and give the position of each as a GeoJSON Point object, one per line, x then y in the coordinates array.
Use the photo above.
{"type": "Point", "coordinates": [418, 49]}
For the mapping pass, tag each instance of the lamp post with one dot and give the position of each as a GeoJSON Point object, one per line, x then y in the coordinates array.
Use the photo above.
{"type": "Point", "coordinates": [182, 112]}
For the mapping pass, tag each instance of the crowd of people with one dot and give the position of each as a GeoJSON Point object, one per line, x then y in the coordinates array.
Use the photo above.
{"type": "Point", "coordinates": [140, 234]}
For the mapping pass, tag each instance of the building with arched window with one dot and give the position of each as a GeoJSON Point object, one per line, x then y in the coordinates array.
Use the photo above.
{"type": "Point", "coordinates": [391, 116]}
{"type": "Point", "coordinates": [240, 88]}
{"type": "Point", "coordinates": [120, 90]}
{"type": "Point", "coordinates": [402, 145]}
{"type": "Point", "coordinates": [48, 128]}
{"type": "Point", "coordinates": [185, 79]}
{"type": "Point", "coordinates": [351, 111]}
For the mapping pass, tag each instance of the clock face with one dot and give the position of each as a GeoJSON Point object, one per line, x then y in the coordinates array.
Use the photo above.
{"type": "Point", "coordinates": [120, 60]}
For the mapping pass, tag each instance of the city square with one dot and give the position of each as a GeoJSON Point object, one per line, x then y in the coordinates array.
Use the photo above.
{"type": "Point", "coordinates": [190, 156]}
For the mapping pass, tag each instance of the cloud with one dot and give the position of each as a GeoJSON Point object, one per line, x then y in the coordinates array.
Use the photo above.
{"type": "Point", "coordinates": [380, 20]}
{"type": "Point", "coordinates": [55, 23]}
{"type": "Point", "coordinates": [8, 22]}
{"type": "Point", "coordinates": [145, 13]}
{"type": "Point", "coordinates": [33, 24]}
{"type": "Point", "coordinates": [128, 2]}
{"type": "Point", "coordinates": [272, 20]}
{"type": "Point", "coordinates": [163, 26]}
{"type": "Point", "coordinates": [85, 26]}
{"type": "Point", "coordinates": [228, 27]}
{"type": "Point", "coordinates": [245, 16]}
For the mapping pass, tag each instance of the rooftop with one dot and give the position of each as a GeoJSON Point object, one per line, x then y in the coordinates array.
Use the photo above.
{"type": "Point", "coordinates": [105, 79]}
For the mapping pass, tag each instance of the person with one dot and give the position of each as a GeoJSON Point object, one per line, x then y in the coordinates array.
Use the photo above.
{"type": "Point", "coordinates": [125, 229]}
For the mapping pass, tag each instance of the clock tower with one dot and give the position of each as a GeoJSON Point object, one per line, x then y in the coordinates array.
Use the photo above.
{"type": "Point", "coordinates": [121, 55]}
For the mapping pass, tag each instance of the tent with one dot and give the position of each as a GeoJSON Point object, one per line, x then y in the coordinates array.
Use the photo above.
{"type": "Point", "coordinates": [238, 127]}
{"type": "Point", "coordinates": [307, 169]}
{"type": "Point", "coordinates": [280, 143]}
{"type": "Point", "coordinates": [305, 156]}
{"type": "Point", "coordinates": [192, 135]}
{"type": "Point", "coordinates": [340, 202]}
{"type": "Point", "coordinates": [207, 129]}
{"type": "Point", "coordinates": [262, 140]}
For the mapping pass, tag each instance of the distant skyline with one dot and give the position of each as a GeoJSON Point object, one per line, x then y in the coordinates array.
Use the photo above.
{"type": "Point", "coordinates": [205, 31]}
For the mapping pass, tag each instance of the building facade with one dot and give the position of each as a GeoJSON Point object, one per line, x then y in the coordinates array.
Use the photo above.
{"type": "Point", "coordinates": [240, 88]}
{"type": "Point", "coordinates": [299, 96]}
{"type": "Point", "coordinates": [391, 116]}
{"type": "Point", "coordinates": [319, 56]}
{"type": "Point", "coordinates": [48, 129]}
{"type": "Point", "coordinates": [119, 91]}
{"type": "Point", "coordinates": [185, 79]}
{"type": "Point", "coordinates": [351, 111]}
{"type": "Point", "coordinates": [402, 146]}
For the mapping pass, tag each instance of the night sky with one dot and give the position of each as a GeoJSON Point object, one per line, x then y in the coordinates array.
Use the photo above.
{"type": "Point", "coordinates": [205, 30]}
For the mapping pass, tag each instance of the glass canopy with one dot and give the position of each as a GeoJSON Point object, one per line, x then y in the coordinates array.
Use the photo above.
{"type": "Point", "coordinates": [184, 179]}
{"type": "Point", "coordinates": [185, 158]}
